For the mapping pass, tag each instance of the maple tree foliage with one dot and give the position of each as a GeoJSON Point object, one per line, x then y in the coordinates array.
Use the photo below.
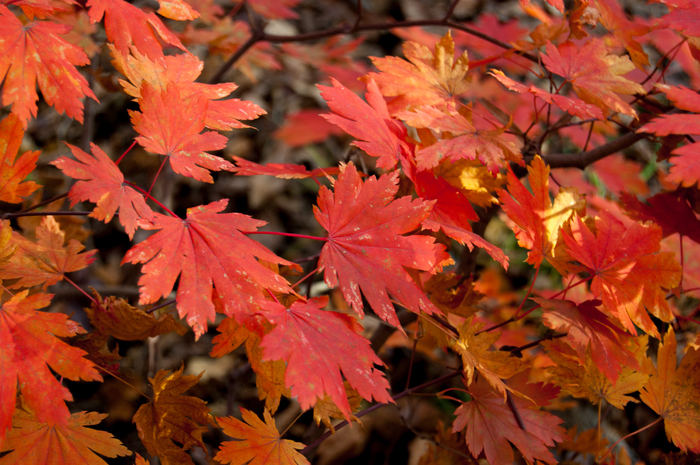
{"type": "Point", "coordinates": [558, 138]}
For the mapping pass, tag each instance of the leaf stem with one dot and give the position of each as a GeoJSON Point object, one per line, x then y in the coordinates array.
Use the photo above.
{"type": "Point", "coordinates": [123, 381]}
{"type": "Point", "coordinates": [532, 284]}
{"type": "Point", "coordinates": [629, 435]}
{"type": "Point", "coordinates": [125, 152]}
{"type": "Point", "coordinates": [149, 196]}
{"type": "Point", "coordinates": [59, 213]}
{"type": "Point", "coordinates": [80, 289]}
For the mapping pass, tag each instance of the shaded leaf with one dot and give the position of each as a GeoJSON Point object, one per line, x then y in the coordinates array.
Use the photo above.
{"type": "Point", "coordinates": [325, 409]}
{"type": "Point", "coordinates": [306, 127]}
{"type": "Point", "coordinates": [670, 210]}
{"type": "Point", "coordinates": [280, 170]}
{"type": "Point", "coordinates": [13, 170]}
{"type": "Point", "coordinates": [170, 416]}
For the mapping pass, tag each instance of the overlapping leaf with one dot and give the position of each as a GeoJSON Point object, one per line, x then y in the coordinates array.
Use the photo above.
{"type": "Point", "coordinates": [367, 250]}
{"type": "Point", "coordinates": [306, 127]}
{"type": "Point", "coordinates": [170, 125]}
{"type": "Point", "coordinates": [126, 24]}
{"type": "Point", "coordinates": [280, 170]}
{"type": "Point", "coordinates": [427, 78]}
{"type": "Point", "coordinates": [30, 345]}
{"type": "Point", "coordinates": [13, 170]}
{"type": "Point", "coordinates": [302, 336]}
{"type": "Point", "coordinates": [379, 135]}
{"type": "Point", "coordinates": [183, 70]}
{"type": "Point", "coordinates": [672, 392]}
{"type": "Point", "coordinates": [491, 425]}
{"type": "Point", "coordinates": [537, 220]}
{"type": "Point", "coordinates": [47, 260]}
{"type": "Point", "coordinates": [585, 326]}
{"type": "Point", "coordinates": [257, 443]}
{"type": "Point", "coordinates": [629, 273]}
{"type": "Point", "coordinates": [102, 182]}
{"type": "Point", "coordinates": [34, 53]}
{"type": "Point", "coordinates": [35, 442]}
{"type": "Point", "coordinates": [596, 75]}
{"type": "Point", "coordinates": [170, 416]}
{"type": "Point", "coordinates": [489, 147]}
{"type": "Point", "coordinates": [211, 254]}
{"type": "Point", "coordinates": [670, 210]}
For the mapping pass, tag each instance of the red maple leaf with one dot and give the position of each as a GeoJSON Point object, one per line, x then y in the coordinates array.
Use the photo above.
{"type": "Point", "coordinates": [380, 136]}
{"type": "Point", "coordinates": [170, 125]}
{"type": "Point", "coordinates": [490, 147]}
{"type": "Point", "coordinates": [302, 337]}
{"type": "Point", "coordinates": [126, 24]}
{"type": "Point", "coordinates": [183, 70]}
{"type": "Point", "coordinates": [273, 9]}
{"type": "Point", "coordinates": [670, 210]}
{"type": "Point", "coordinates": [597, 76]}
{"type": "Point", "coordinates": [366, 249]}
{"type": "Point", "coordinates": [586, 326]}
{"type": "Point", "coordinates": [280, 170]}
{"type": "Point", "coordinates": [213, 258]}
{"type": "Point", "coordinates": [103, 183]}
{"type": "Point", "coordinates": [30, 345]}
{"type": "Point", "coordinates": [306, 127]}
{"type": "Point", "coordinates": [491, 425]}
{"type": "Point", "coordinates": [627, 268]}
{"type": "Point", "coordinates": [35, 53]}
{"type": "Point", "coordinates": [14, 170]}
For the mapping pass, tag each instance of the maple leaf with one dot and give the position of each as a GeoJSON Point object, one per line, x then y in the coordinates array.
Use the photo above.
{"type": "Point", "coordinates": [30, 345]}
{"type": "Point", "coordinates": [474, 180]}
{"type": "Point", "coordinates": [366, 250]}
{"type": "Point", "coordinates": [211, 254]}
{"type": "Point", "coordinates": [6, 249]}
{"type": "Point", "coordinates": [586, 326]}
{"type": "Point", "coordinates": [489, 147]}
{"type": "Point", "coordinates": [620, 175]}
{"type": "Point", "coordinates": [537, 220]}
{"type": "Point", "coordinates": [183, 70]}
{"type": "Point", "coordinates": [14, 170]}
{"type": "Point", "coordinates": [126, 24]}
{"type": "Point", "coordinates": [170, 416]}
{"type": "Point", "coordinates": [672, 392]}
{"type": "Point", "coordinates": [380, 136]}
{"type": "Point", "coordinates": [491, 425]}
{"type": "Point", "coordinates": [627, 268]}
{"type": "Point", "coordinates": [35, 53]}
{"type": "Point", "coordinates": [615, 21]}
{"type": "Point", "coordinates": [306, 127]}
{"type": "Point", "coordinates": [273, 9]}
{"type": "Point", "coordinates": [177, 9]}
{"type": "Point", "coordinates": [269, 377]}
{"type": "Point", "coordinates": [325, 409]}
{"type": "Point", "coordinates": [570, 105]}
{"type": "Point", "coordinates": [45, 261]}
{"type": "Point", "coordinates": [257, 443]}
{"type": "Point", "coordinates": [596, 75]}
{"type": "Point", "coordinates": [493, 365]}
{"type": "Point", "coordinates": [427, 78]}
{"type": "Point", "coordinates": [670, 210]}
{"type": "Point", "coordinates": [114, 316]}
{"type": "Point", "coordinates": [171, 126]}
{"type": "Point", "coordinates": [682, 18]}
{"type": "Point", "coordinates": [34, 442]}
{"type": "Point", "coordinates": [102, 182]}
{"type": "Point", "coordinates": [280, 170]}
{"type": "Point", "coordinates": [583, 379]}
{"type": "Point", "coordinates": [302, 336]}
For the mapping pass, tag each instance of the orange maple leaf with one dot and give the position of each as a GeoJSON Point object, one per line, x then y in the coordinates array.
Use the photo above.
{"type": "Point", "coordinates": [597, 76]}
{"type": "Point", "coordinates": [306, 127]}
{"type": "Point", "coordinates": [170, 125]}
{"type": "Point", "coordinates": [102, 182]}
{"type": "Point", "coordinates": [269, 375]}
{"type": "Point", "coordinates": [380, 136]}
{"type": "Point", "coordinates": [673, 393]}
{"type": "Point", "coordinates": [537, 220]}
{"type": "Point", "coordinates": [491, 425]}
{"type": "Point", "coordinates": [257, 443]}
{"type": "Point", "coordinates": [207, 250]}
{"type": "Point", "coordinates": [177, 9]}
{"type": "Point", "coordinates": [428, 78]}
{"type": "Point", "coordinates": [280, 170]}
{"type": "Point", "coordinates": [14, 170]}
{"type": "Point", "coordinates": [627, 268]}
{"type": "Point", "coordinates": [126, 24]}
{"type": "Point", "coordinates": [33, 441]}
{"type": "Point", "coordinates": [366, 249]}
{"type": "Point", "coordinates": [170, 416]}
{"type": "Point", "coordinates": [30, 345]}
{"type": "Point", "coordinates": [45, 261]}
{"type": "Point", "coordinates": [35, 53]}
{"type": "Point", "coordinates": [302, 336]}
{"type": "Point", "coordinates": [183, 70]}
{"type": "Point", "coordinates": [624, 30]}
{"type": "Point", "coordinates": [273, 9]}
{"type": "Point", "coordinates": [490, 147]}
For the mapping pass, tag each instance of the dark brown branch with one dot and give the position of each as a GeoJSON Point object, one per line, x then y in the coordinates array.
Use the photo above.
{"type": "Point", "coordinates": [583, 159]}
{"type": "Point", "coordinates": [61, 213]}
